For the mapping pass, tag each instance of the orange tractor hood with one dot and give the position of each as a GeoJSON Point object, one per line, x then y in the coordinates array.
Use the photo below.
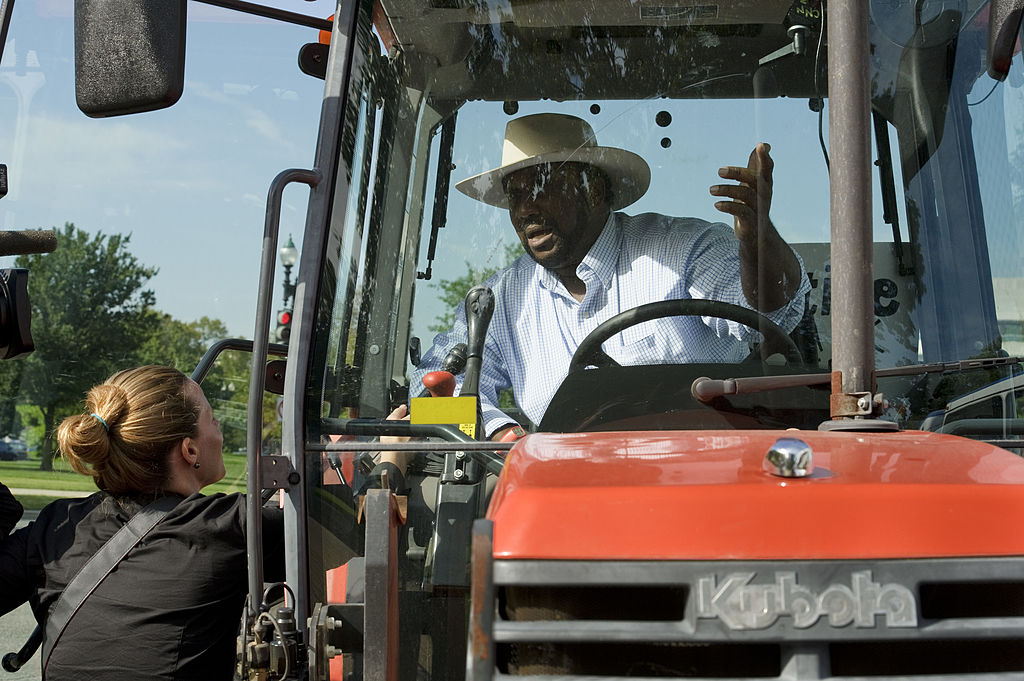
{"type": "Point", "coordinates": [705, 495]}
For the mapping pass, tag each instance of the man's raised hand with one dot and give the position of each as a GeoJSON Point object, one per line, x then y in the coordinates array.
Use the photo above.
{"type": "Point", "coordinates": [751, 197]}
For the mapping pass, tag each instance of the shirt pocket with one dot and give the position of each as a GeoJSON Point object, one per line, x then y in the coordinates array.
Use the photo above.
{"type": "Point", "coordinates": [658, 341]}
{"type": "Point", "coordinates": [673, 340]}
{"type": "Point", "coordinates": [642, 351]}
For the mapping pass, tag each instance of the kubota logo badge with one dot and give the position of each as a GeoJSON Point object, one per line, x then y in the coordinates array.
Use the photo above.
{"type": "Point", "coordinates": [742, 605]}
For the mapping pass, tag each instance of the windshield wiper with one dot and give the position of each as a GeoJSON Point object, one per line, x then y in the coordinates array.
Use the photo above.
{"type": "Point", "coordinates": [707, 389]}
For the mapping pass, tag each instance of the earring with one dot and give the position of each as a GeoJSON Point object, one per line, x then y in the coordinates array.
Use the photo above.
{"type": "Point", "coordinates": [195, 465]}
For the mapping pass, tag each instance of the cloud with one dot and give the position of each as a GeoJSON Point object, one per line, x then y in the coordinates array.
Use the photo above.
{"type": "Point", "coordinates": [237, 97]}
{"type": "Point", "coordinates": [265, 126]}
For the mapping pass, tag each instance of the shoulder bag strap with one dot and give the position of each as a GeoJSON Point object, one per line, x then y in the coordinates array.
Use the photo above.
{"type": "Point", "coordinates": [98, 567]}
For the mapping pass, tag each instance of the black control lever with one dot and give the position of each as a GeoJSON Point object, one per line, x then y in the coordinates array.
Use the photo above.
{"type": "Point", "coordinates": [455, 361]}
{"type": "Point", "coordinates": [479, 308]}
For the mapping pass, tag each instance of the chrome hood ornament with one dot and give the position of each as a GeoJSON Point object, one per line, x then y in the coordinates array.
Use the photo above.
{"type": "Point", "coordinates": [789, 457]}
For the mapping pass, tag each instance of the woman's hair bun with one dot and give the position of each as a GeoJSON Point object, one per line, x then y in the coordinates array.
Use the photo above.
{"type": "Point", "coordinates": [85, 443]}
{"type": "Point", "coordinates": [109, 403]}
{"type": "Point", "coordinates": [130, 425]}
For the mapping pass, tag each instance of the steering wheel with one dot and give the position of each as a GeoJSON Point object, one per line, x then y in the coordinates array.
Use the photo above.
{"type": "Point", "coordinates": [590, 353]}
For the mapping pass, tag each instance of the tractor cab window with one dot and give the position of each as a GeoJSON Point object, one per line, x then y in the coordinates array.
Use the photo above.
{"type": "Point", "coordinates": [660, 106]}
{"type": "Point", "coordinates": [665, 104]}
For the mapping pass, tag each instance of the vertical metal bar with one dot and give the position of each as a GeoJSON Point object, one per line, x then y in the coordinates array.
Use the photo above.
{"type": "Point", "coordinates": [380, 611]}
{"type": "Point", "coordinates": [6, 11]}
{"type": "Point", "coordinates": [257, 379]}
{"type": "Point", "coordinates": [480, 657]}
{"type": "Point", "coordinates": [314, 259]}
{"type": "Point", "coordinates": [849, 126]}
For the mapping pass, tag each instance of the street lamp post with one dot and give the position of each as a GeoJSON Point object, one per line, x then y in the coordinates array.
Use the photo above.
{"type": "Point", "coordinates": [288, 255]}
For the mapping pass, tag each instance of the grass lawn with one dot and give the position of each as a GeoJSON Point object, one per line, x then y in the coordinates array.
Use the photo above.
{"type": "Point", "coordinates": [27, 475]}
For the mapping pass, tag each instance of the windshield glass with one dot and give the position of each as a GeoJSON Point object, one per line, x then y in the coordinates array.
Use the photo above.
{"type": "Point", "coordinates": [476, 130]}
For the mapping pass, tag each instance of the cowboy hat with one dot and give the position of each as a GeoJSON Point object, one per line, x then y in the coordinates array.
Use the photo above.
{"type": "Point", "coordinates": [556, 138]}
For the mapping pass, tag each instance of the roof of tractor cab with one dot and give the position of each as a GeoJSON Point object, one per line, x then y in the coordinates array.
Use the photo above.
{"type": "Point", "coordinates": [599, 49]}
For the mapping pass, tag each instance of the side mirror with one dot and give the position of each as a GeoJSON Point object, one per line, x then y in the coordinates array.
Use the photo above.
{"type": "Point", "coordinates": [273, 381]}
{"type": "Point", "coordinates": [129, 55]}
{"type": "Point", "coordinates": [1004, 17]}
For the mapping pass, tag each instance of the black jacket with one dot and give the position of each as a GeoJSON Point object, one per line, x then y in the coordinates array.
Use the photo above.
{"type": "Point", "coordinates": [10, 510]}
{"type": "Point", "coordinates": [171, 608]}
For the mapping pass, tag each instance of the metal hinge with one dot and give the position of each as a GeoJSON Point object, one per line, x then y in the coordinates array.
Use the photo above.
{"type": "Point", "coordinates": [847, 405]}
{"type": "Point", "coordinates": [276, 472]}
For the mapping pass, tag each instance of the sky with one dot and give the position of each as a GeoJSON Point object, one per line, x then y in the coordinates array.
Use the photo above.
{"type": "Point", "coordinates": [189, 183]}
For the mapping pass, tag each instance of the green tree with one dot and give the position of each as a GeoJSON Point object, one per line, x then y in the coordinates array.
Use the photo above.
{"type": "Point", "coordinates": [227, 389]}
{"type": "Point", "coordinates": [10, 386]}
{"type": "Point", "coordinates": [90, 315]}
{"type": "Point", "coordinates": [226, 385]}
{"type": "Point", "coordinates": [180, 344]}
{"type": "Point", "coordinates": [453, 291]}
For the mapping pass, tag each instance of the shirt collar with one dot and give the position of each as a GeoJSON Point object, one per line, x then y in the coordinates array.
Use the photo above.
{"type": "Point", "coordinates": [601, 259]}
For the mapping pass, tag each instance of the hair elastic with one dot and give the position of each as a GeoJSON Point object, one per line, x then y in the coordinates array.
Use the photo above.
{"type": "Point", "coordinates": [100, 419]}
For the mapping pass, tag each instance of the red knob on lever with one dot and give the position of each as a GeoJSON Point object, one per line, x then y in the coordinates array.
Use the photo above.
{"type": "Point", "coordinates": [439, 383]}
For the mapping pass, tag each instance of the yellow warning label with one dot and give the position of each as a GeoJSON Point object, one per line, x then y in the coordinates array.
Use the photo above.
{"type": "Point", "coordinates": [459, 411]}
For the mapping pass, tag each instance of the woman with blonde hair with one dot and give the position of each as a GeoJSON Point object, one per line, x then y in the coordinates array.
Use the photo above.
{"type": "Point", "coordinates": [171, 606]}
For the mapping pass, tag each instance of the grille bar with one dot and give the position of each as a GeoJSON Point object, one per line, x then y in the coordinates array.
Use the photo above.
{"type": "Point", "coordinates": [519, 632]}
{"type": "Point", "coordinates": [902, 620]}
{"type": "Point", "coordinates": [996, 676]}
{"type": "Point", "coordinates": [626, 630]}
{"type": "Point", "coordinates": [760, 601]}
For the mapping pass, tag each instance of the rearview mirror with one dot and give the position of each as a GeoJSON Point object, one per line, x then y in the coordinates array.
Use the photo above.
{"type": "Point", "coordinates": [129, 55]}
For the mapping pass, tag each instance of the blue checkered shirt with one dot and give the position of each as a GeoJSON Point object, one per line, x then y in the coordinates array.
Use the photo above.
{"type": "Point", "coordinates": [537, 324]}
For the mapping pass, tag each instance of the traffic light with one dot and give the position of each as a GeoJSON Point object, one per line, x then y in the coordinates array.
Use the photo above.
{"type": "Point", "coordinates": [284, 325]}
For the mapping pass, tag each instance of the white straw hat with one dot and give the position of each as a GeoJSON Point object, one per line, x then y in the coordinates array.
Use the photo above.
{"type": "Point", "coordinates": [555, 138]}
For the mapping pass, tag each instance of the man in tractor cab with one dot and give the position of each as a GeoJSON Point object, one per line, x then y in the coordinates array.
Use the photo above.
{"type": "Point", "coordinates": [585, 262]}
